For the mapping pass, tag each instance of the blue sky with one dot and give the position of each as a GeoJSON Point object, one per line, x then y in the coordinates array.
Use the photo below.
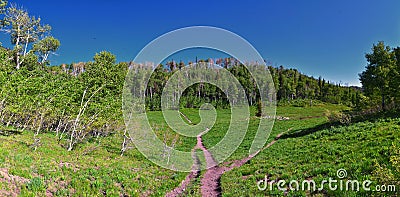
{"type": "Point", "coordinates": [318, 37]}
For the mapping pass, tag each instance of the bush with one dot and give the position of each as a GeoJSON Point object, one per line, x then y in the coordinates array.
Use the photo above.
{"type": "Point", "coordinates": [340, 117]}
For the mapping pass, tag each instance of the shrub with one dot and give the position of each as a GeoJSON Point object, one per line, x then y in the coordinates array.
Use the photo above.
{"type": "Point", "coordinates": [339, 117]}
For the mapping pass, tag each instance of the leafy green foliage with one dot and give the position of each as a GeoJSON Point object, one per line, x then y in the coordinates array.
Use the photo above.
{"type": "Point", "coordinates": [380, 80]}
{"type": "Point", "coordinates": [37, 98]}
{"type": "Point", "coordinates": [46, 46]}
{"type": "Point", "coordinates": [26, 30]}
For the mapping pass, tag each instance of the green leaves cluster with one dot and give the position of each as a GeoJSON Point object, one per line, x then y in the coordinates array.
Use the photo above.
{"type": "Point", "coordinates": [380, 80]}
{"type": "Point", "coordinates": [26, 30]}
{"type": "Point", "coordinates": [46, 46]}
{"type": "Point", "coordinates": [27, 95]}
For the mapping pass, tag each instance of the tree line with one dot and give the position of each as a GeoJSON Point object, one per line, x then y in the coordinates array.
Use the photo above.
{"type": "Point", "coordinates": [290, 85]}
{"type": "Point", "coordinates": [83, 100]}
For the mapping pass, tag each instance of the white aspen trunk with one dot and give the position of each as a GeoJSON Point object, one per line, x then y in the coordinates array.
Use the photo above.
{"type": "Point", "coordinates": [75, 125]}
{"type": "Point", "coordinates": [26, 44]}
{"type": "Point", "coordinates": [17, 46]}
{"type": "Point", "coordinates": [126, 138]}
{"type": "Point", "coordinates": [81, 112]}
{"type": "Point", "coordinates": [35, 138]}
{"type": "Point", "coordinates": [58, 127]}
{"type": "Point", "coordinates": [45, 57]}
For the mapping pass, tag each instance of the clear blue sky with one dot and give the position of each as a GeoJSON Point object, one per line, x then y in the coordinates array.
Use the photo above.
{"type": "Point", "coordinates": [318, 37]}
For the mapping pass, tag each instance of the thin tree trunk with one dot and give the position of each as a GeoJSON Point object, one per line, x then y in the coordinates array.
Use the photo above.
{"type": "Point", "coordinates": [17, 46]}
{"type": "Point", "coordinates": [26, 44]}
{"type": "Point", "coordinates": [59, 123]}
{"type": "Point", "coordinates": [9, 120]}
{"type": "Point", "coordinates": [45, 57]}
{"type": "Point", "coordinates": [35, 138]}
{"type": "Point", "coordinates": [127, 139]}
{"type": "Point", "coordinates": [81, 112]}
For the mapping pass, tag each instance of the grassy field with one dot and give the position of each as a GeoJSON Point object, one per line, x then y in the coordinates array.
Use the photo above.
{"type": "Point", "coordinates": [368, 150]}
{"type": "Point", "coordinates": [310, 148]}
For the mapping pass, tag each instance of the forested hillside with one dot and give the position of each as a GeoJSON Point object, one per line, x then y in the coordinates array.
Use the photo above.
{"type": "Point", "coordinates": [84, 99]}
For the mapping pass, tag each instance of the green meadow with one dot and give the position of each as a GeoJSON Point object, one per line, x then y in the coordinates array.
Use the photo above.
{"type": "Point", "coordinates": [311, 147]}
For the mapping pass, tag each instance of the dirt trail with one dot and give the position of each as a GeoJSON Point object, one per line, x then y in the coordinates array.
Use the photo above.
{"type": "Point", "coordinates": [195, 172]}
{"type": "Point", "coordinates": [178, 191]}
{"type": "Point", "coordinates": [210, 182]}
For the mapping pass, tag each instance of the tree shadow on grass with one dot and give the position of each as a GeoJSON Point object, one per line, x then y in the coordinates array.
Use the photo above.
{"type": "Point", "coordinates": [308, 131]}
{"type": "Point", "coordinates": [9, 132]}
{"type": "Point", "coordinates": [374, 116]}
{"type": "Point", "coordinates": [112, 149]}
{"type": "Point", "coordinates": [356, 117]}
